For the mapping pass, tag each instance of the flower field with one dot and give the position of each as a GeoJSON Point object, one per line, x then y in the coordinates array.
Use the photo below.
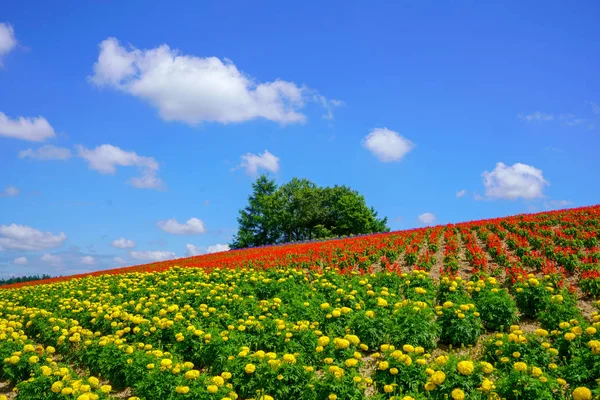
{"type": "Point", "coordinates": [497, 309]}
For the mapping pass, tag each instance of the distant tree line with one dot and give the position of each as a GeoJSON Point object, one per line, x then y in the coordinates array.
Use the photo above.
{"type": "Point", "coordinates": [301, 210]}
{"type": "Point", "coordinates": [20, 279]}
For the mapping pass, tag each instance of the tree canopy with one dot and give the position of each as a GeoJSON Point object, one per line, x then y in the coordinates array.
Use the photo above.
{"type": "Point", "coordinates": [301, 210]}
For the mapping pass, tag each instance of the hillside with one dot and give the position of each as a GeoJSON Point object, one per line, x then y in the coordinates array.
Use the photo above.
{"type": "Point", "coordinates": [499, 308]}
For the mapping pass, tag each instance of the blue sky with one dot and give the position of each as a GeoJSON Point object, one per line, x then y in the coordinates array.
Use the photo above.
{"type": "Point", "coordinates": [147, 122]}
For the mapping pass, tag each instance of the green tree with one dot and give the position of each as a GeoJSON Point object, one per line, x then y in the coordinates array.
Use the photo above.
{"type": "Point", "coordinates": [301, 210]}
{"type": "Point", "coordinates": [258, 220]}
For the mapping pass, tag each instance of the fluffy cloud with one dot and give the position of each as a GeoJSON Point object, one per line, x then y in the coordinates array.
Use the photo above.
{"type": "Point", "coordinates": [537, 116]}
{"type": "Point", "coordinates": [461, 193]}
{"type": "Point", "coordinates": [554, 204]}
{"type": "Point", "coordinates": [194, 89]}
{"type": "Point", "coordinates": [572, 120]}
{"type": "Point", "coordinates": [88, 260]}
{"type": "Point", "coordinates": [387, 145]}
{"type": "Point", "coordinates": [10, 191]}
{"type": "Point", "coordinates": [20, 261]}
{"type": "Point", "coordinates": [512, 182]}
{"type": "Point", "coordinates": [46, 152]}
{"type": "Point", "coordinates": [52, 259]}
{"type": "Point", "coordinates": [253, 162]}
{"type": "Point", "coordinates": [192, 226]}
{"type": "Point", "coordinates": [152, 255]}
{"type": "Point", "coordinates": [106, 158]}
{"type": "Point", "coordinates": [35, 129]}
{"type": "Point", "coordinates": [123, 243]}
{"type": "Point", "coordinates": [192, 250]}
{"type": "Point", "coordinates": [119, 261]}
{"type": "Point", "coordinates": [427, 218]}
{"type": "Point", "coordinates": [217, 248]}
{"type": "Point", "coordinates": [7, 40]}
{"type": "Point", "coordinates": [21, 237]}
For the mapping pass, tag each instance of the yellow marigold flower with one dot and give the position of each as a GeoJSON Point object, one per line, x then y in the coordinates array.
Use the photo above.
{"type": "Point", "coordinates": [93, 381]}
{"type": "Point", "coordinates": [408, 348]}
{"type": "Point", "coordinates": [487, 385]}
{"type": "Point", "coordinates": [438, 377]}
{"type": "Point", "coordinates": [105, 388]}
{"type": "Point", "coordinates": [332, 397]}
{"type": "Point", "coordinates": [582, 393]}
{"type": "Point", "coordinates": [520, 366]}
{"type": "Point", "coordinates": [218, 380]}
{"type": "Point", "coordinates": [570, 336]}
{"type": "Point", "coordinates": [466, 367]}
{"type": "Point", "coordinates": [441, 360]}
{"type": "Point", "coordinates": [351, 362]}
{"type": "Point", "coordinates": [458, 394]}
{"type": "Point", "coordinates": [182, 389]}
{"type": "Point", "coordinates": [226, 375]}
{"type": "Point", "coordinates": [212, 388]}
{"type": "Point", "coordinates": [323, 341]}
{"type": "Point", "coordinates": [56, 387]}
{"type": "Point", "coordinates": [487, 368]}
{"type": "Point", "coordinates": [429, 386]}
{"type": "Point", "coordinates": [394, 371]}
{"type": "Point", "coordinates": [250, 368]}
{"type": "Point", "coordinates": [590, 330]}
{"type": "Point", "coordinates": [150, 366]}
{"type": "Point", "coordinates": [66, 391]}
{"type": "Point", "coordinates": [561, 381]}
{"type": "Point", "coordinates": [383, 365]}
{"type": "Point", "coordinates": [388, 388]}
{"type": "Point", "coordinates": [83, 397]}
{"type": "Point", "coordinates": [537, 372]}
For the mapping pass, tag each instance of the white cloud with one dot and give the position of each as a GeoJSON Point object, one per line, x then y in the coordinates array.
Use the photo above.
{"type": "Point", "coordinates": [35, 129]}
{"type": "Point", "coordinates": [21, 237]}
{"type": "Point", "coordinates": [595, 107]}
{"type": "Point", "coordinates": [537, 116]}
{"type": "Point", "coordinates": [123, 243]}
{"type": "Point", "coordinates": [7, 39]}
{"type": "Point", "coordinates": [20, 261]}
{"type": "Point", "coordinates": [427, 218]}
{"type": "Point", "coordinates": [217, 248]}
{"type": "Point", "coordinates": [192, 226]}
{"type": "Point", "coordinates": [328, 105]}
{"type": "Point", "coordinates": [46, 152]}
{"type": "Point", "coordinates": [192, 250]}
{"type": "Point", "coordinates": [51, 259]}
{"type": "Point", "coordinates": [478, 197]}
{"type": "Point", "coordinates": [253, 162]}
{"type": "Point", "coordinates": [88, 260]}
{"type": "Point", "coordinates": [119, 261]}
{"type": "Point", "coordinates": [572, 120]}
{"type": "Point", "coordinates": [461, 193]}
{"type": "Point", "coordinates": [387, 145]}
{"type": "Point", "coordinates": [10, 191]}
{"type": "Point", "coordinates": [152, 255]}
{"type": "Point", "coordinates": [554, 204]}
{"type": "Point", "coordinates": [517, 181]}
{"type": "Point", "coordinates": [106, 158]}
{"type": "Point", "coordinates": [194, 89]}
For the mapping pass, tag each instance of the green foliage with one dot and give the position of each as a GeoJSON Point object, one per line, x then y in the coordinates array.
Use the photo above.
{"type": "Point", "coordinates": [498, 310]}
{"type": "Point", "coordinates": [562, 307]}
{"type": "Point", "coordinates": [300, 210]}
{"type": "Point", "coordinates": [461, 323]}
